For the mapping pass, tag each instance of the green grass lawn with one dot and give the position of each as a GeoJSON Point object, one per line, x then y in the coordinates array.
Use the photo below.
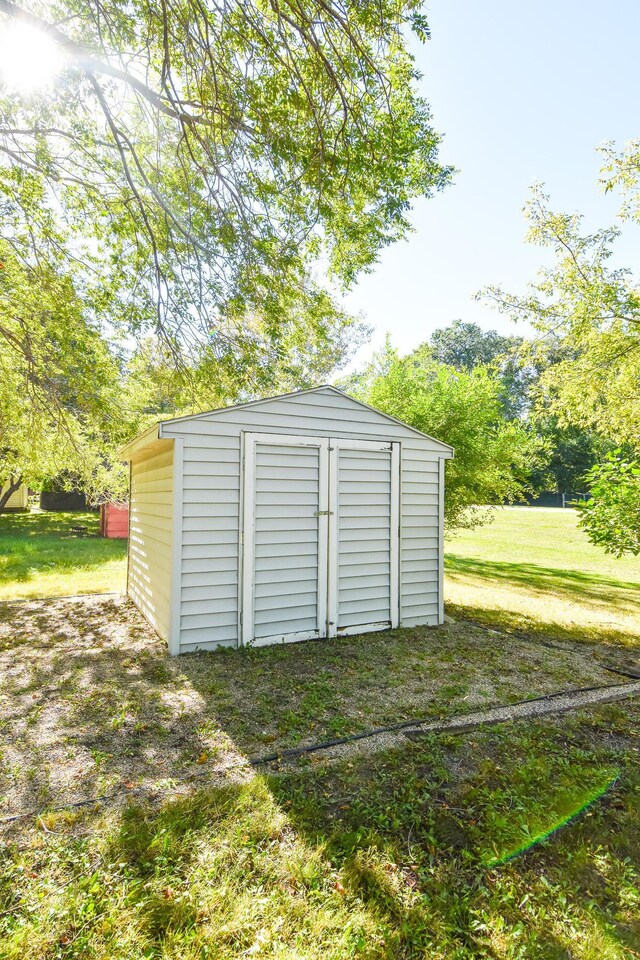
{"type": "Point", "coordinates": [531, 569]}
{"type": "Point", "coordinates": [40, 556]}
{"type": "Point", "coordinates": [517, 841]}
{"type": "Point", "coordinates": [534, 569]}
{"type": "Point", "coordinates": [514, 842]}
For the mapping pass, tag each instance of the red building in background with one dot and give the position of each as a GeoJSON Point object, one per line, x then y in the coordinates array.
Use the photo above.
{"type": "Point", "coordinates": [114, 520]}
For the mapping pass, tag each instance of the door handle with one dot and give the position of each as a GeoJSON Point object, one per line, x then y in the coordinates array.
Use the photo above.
{"type": "Point", "coordinates": [323, 513]}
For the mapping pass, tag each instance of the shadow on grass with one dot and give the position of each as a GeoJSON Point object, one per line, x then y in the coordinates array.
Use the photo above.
{"type": "Point", "coordinates": [94, 700]}
{"type": "Point", "coordinates": [548, 581]}
{"type": "Point", "coordinates": [381, 856]}
{"type": "Point", "coordinates": [381, 859]}
{"type": "Point", "coordinates": [414, 832]}
{"type": "Point", "coordinates": [48, 523]}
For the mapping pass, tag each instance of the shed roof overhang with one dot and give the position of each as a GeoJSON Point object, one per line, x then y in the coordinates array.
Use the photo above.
{"type": "Point", "coordinates": [144, 444]}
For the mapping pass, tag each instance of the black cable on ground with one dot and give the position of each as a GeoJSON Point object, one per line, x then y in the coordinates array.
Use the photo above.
{"type": "Point", "coordinates": [326, 745]}
{"type": "Point", "coordinates": [623, 673]}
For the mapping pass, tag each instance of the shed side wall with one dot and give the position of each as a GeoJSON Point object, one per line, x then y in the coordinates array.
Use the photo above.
{"type": "Point", "coordinates": [150, 537]}
{"type": "Point", "coordinates": [211, 497]}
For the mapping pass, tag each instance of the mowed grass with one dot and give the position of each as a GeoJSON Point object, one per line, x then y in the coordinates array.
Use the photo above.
{"type": "Point", "coordinates": [93, 700]}
{"type": "Point", "coordinates": [518, 841]}
{"type": "Point", "coordinates": [533, 569]}
{"type": "Point", "coordinates": [41, 556]}
{"type": "Point", "coordinates": [515, 842]}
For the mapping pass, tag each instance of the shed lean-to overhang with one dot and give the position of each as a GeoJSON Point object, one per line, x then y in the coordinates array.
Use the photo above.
{"type": "Point", "coordinates": [143, 443]}
{"type": "Point", "coordinates": [162, 431]}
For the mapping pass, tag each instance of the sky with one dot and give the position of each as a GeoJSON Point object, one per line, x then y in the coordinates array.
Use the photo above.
{"type": "Point", "coordinates": [522, 93]}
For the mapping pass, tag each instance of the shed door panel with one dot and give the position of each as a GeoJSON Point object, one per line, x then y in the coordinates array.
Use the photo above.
{"type": "Point", "coordinates": [287, 551]}
{"type": "Point", "coordinates": [320, 535]}
{"type": "Point", "coordinates": [364, 494]}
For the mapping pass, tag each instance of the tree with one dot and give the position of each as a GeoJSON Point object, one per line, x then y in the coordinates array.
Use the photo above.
{"type": "Point", "coordinates": [612, 516]}
{"type": "Point", "coordinates": [572, 452]}
{"type": "Point", "coordinates": [60, 407]}
{"type": "Point", "coordinates": [588, 312]}
{"type": "Point", "coordinates": [303, 353]}
{"type": "Point", "coordinates": [178, 185]}
{"type": "Point", "coordinates": [493, 455]}
{"type": "Point", "coordinates": [180, 182]}
{"type": "Point", "coordinates": [213, 152]}
{"type": "Point", "coordinates": [465, 346]}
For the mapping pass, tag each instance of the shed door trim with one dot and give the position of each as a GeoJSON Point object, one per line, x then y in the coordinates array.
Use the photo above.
{"type": "Point", "coordinates": [338, 444]}
{"type": "Point", "coordinates": [249, 528]}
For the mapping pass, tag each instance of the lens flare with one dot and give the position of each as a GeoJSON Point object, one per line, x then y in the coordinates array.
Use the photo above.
{"type": "Point", "coordinates": [559, 824]}
{"type": "Point", "coordinates": [29, 59]}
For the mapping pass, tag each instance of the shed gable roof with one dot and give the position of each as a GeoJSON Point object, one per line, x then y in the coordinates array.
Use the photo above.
{"type": "Point", "coordinates": [210, 414]}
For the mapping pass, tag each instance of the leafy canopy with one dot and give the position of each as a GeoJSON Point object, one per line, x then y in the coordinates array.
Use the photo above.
{"type": "Point", "coordinates": [518, 365]}
{"type": "Point", "coordinates": [493, 456]}
{"type": "Point", "coordinates": [587, 313]}
{"type": "Point", "coordinates": [60, 408]}
{"type": "Point", "coordinates": [181, 184]}
{"type": "Point", "coordinates": [465, 346]}
{"type": "Point", "coordinates": [215, 151]}
{"type": "Point", "coordinates": [612, 516]}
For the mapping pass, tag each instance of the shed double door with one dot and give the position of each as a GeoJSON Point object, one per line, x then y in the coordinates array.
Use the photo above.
{"type": "Point", "coordinates": [320, 537]}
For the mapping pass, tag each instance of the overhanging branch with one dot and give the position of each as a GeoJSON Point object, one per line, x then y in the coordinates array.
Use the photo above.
{"type": "Point", "coordinates": [87, 60]}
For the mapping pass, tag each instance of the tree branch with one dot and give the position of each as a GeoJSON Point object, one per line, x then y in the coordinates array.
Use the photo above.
{"type": "Point", "coordinates": [90, 63]}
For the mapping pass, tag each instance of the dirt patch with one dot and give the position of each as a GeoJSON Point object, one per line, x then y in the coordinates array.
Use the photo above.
{"type": "Point", "coordinates": [90, 702]}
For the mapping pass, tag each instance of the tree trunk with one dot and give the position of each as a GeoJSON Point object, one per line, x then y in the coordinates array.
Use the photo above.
{"type": "Point", "coordinates": [8, 493]}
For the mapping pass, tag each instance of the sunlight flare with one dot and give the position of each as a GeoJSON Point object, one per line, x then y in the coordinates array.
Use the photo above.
{"type": "Point", "coordinates": [29, 59]}
{"type": "Point", "coordinates": [545, 834]}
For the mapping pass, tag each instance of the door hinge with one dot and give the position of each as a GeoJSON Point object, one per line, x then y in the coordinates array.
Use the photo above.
{"type": "Point", "coordinates": [323, 513]}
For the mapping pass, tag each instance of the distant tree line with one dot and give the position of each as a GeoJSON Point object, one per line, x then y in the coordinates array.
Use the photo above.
{"type": "Point", "coordinates": [570, 450]}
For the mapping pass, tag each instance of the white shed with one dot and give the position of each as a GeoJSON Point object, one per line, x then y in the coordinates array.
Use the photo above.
{"type": "Point", "coordinates": [299, 517]}
{"type": "Point", "coordinates": [19, 499]}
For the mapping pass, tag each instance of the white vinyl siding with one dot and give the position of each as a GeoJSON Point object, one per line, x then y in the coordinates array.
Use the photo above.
{"type": "Point", "coordinates": [286, 540]}
{"type": "Point", "coordinates": [212, 505]}
{"type": "Point", "coordinates": [149, 577]}
{"type": "Point", "coordinates": [419, 536]}
{"type": "Point", "coordinates": [210, 525]}
{"type": "Point", "coordinates": [364, 537]}
{"type": "Point", "coordinates": [19, 499]}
